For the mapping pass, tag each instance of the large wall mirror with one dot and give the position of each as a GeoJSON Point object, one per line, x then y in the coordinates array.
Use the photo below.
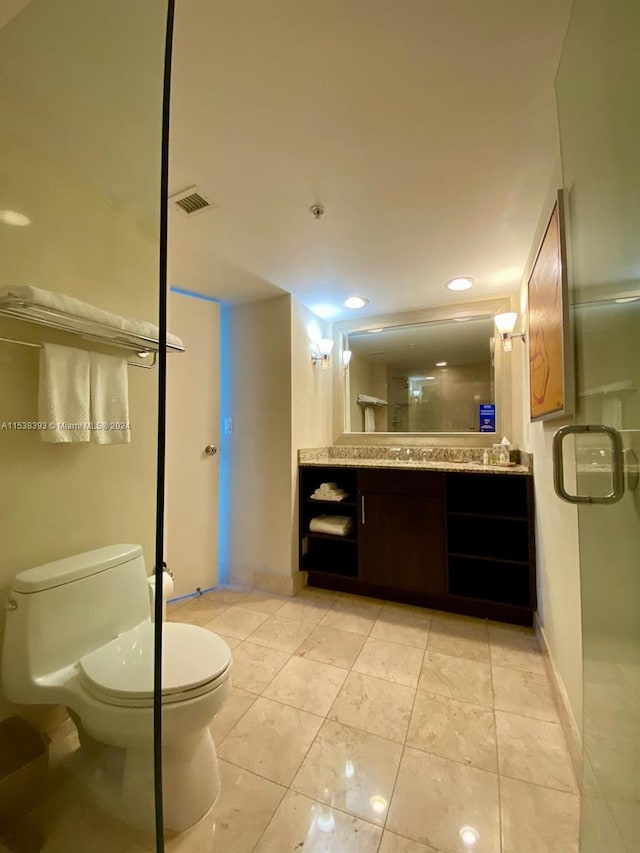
{"type": "Point", "coordinates": [424, 373]}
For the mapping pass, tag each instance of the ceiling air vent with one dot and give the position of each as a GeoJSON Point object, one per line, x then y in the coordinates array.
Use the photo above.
{"type": "Point", "coordinates": [191, 201]}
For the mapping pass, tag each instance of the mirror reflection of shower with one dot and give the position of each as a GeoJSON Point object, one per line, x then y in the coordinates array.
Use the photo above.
{"type": "Point", "coordinates": [421, 377]}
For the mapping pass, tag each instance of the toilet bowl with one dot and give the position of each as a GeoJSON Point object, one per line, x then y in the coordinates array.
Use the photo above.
{"type": "Point", "coordinates": [79, 634]}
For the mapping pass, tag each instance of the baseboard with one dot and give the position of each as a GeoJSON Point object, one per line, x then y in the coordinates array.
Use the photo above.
{"type": "Point", "coordinates": [279, 584]}
{"type": "Point", "coordinates": [567, 719]}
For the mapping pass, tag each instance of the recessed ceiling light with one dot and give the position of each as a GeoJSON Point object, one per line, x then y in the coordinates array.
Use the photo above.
{"type": "Point", "coordinates": [373, 331]}
{"type": "Point", "coordinates": [12, 217]}
{"type": "Point", "coordinates": [627, 299]}
{"type": "Point", "coordinates": [460, 283]}
{"type": "Point", "coordinates": [441, 363]}
{"type": "Point", "coordinates": [356, 302]}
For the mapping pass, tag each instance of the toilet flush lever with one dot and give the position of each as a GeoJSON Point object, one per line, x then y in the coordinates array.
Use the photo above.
{"type": "Point", "coordinates": [10, 603]}
{"type": "Point", "coordinates": [211, 450]}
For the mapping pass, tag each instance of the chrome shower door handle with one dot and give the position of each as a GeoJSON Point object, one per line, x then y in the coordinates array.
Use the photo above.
{"type": "Point", "coordinates": [617, 458]}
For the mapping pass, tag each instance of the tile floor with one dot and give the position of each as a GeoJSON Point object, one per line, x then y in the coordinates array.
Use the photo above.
{"type": "Point", "coordinates": [362, 726]}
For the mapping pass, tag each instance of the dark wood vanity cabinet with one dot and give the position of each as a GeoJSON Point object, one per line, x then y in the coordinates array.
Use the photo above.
{"type": "Point", "coordinates": [456, 541]}
{"type": "Point", "coordinates": [401, 530]}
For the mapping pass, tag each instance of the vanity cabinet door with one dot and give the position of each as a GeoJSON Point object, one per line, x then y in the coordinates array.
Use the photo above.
{"type": "Point", "coordinates": [402, 530]}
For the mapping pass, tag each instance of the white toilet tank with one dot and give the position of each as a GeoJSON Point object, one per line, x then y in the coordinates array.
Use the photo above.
{"type": "Point", "coordinates": [63, 610]}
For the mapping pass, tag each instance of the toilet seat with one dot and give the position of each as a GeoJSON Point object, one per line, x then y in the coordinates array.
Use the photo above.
{"type": "Point", "coordinates": [194, 661]}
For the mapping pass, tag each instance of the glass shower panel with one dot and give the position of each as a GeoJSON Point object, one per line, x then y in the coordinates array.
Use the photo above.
{"type": "Point", "coordinates": [599, 122]}
{"type": "Point", "coordinates": [81, 98]}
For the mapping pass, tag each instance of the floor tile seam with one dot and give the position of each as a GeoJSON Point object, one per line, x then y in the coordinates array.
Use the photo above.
{"type": "Point", "coordinates": [516, 668]}
{"type": "Point", "coordinates": [266, 612]}
{"type": "Point", "coordinates": [459, 761]}
{"type": "Point", "coordinates": [269, 699]}
{"type": "Point", "coordinates": [286, 786]}
{"type": "Point", "coordinates": [259, 693]}
{"type": "Point", "coordinates": [395, 642]}
{"type": "Point", "coordinates": [240, 718]}
{"type": "Point", "coordinates": [274, 648]}
{"type": "Point", "coordinates": [315, 660]}
{"type": "Point", "coordinates": [527, 716]}
{"type": "Point", "coordinates": [295, 707]}
{"type": "Point", "coordinates": [341, 811]}
{"type": "Point", "coordinates": [292, 707]}
{"type": "Point", "coordinates": [455, 698]}
{"type": "Point", "coordinates": [557, 790]}
{"type": "Point", "coordinates": [285, 619]}
{"type": "Point", "coordinates": [573, 793]}
{"type": "Point", "coordinates": [285, 790]}
{"type": "Point", "coordinates": [388, 680]}
{"type": "Point", "coordinates": [402, 742]}
{"type": "Point", "coordinates": [495, 728]}
{"type": "Point", "coordinates": [456, 657]}
{"type": "Point", "coordinates": [402, 753]}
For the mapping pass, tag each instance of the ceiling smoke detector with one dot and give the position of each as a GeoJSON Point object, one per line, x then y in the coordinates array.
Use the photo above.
{"type": "Point", "coordinates": [191, 201]}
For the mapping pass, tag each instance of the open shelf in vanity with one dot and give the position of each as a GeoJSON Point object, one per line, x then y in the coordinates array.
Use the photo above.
{"type": "Point", "coordinates": [324, 552]}
{"type": "Point", "coordinates": [451, 540]}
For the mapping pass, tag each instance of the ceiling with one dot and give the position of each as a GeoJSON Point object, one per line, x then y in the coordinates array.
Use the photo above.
{"type": "Point", "coordinates": [426, 129]}
{"type": "Point", "coordinates": [67, 88]}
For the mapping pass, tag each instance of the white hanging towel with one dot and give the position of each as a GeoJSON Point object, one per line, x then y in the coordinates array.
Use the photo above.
{"type": "Point", "coordinates": [110, 399]}
{"type": "Point", "coordinates": [63, 394]}
{"type": "Point", "coordinates": [612, 412]}
{"type": "Point", "coordinates": [369, 419]}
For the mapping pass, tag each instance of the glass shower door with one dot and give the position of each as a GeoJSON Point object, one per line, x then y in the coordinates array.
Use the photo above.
{"type": "Point", "coordinates": [599, 123]}
{"type": "Point", "coordinates": [81, 118]}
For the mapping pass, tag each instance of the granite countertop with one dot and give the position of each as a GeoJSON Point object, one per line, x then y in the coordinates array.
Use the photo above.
{"type": "Point", "coordinates": [347, 457]}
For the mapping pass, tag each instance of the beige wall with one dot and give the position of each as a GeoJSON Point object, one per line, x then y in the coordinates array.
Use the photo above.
{"type": "Point", "coordinates": [256, 483]}
{"type": "Point", "coordinates": [559, 605]}
{"type": "Point", "coordinates": [310, 402]}
{"type": "Point", "coordinates": [278, 402]}
{"type": "Point", "coordinates": [62, 499]}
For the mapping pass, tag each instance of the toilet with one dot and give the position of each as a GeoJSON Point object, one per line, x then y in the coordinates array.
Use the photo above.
{"type": "Point", "coordinates": [78, 633]}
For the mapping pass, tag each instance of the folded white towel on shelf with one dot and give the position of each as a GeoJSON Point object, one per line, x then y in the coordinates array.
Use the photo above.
{"type": "Point", "coordinates": [328, 486]}
{"type": "Point", "coordinates": [336, 525]}
{"type": "Point", "coordinates": [329, 495]}
{"type": "Point", "coordinates": [83, 310]}
{"type": "Point", "coordinates": [63, 394]}
{"type": "Point", "coordinates": [110, 399]}
{"type": "Point", "coordinates": [368, 400]}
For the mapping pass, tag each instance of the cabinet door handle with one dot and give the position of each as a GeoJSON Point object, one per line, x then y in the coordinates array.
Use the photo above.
{"type": "Point", "coordinates": [617, 456]}
{"type": "Point", "coordinates": [362, 509]}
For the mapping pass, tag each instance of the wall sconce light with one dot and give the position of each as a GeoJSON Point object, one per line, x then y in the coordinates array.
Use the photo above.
{"type": "Point", "coordinates": [321, 352]}
{"type": "Point", "coordinates": [505, 324]}
{"type": "Point", "coordinates": [346, 358]}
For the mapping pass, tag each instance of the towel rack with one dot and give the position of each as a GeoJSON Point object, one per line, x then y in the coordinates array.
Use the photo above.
{"type": "Point", "coordinates": [40, 346]}
{"type": "Point", "coordinates": [87, 329]}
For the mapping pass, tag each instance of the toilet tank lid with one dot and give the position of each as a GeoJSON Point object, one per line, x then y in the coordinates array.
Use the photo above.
{"type": "Point", "coordinates": [73, 568]}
